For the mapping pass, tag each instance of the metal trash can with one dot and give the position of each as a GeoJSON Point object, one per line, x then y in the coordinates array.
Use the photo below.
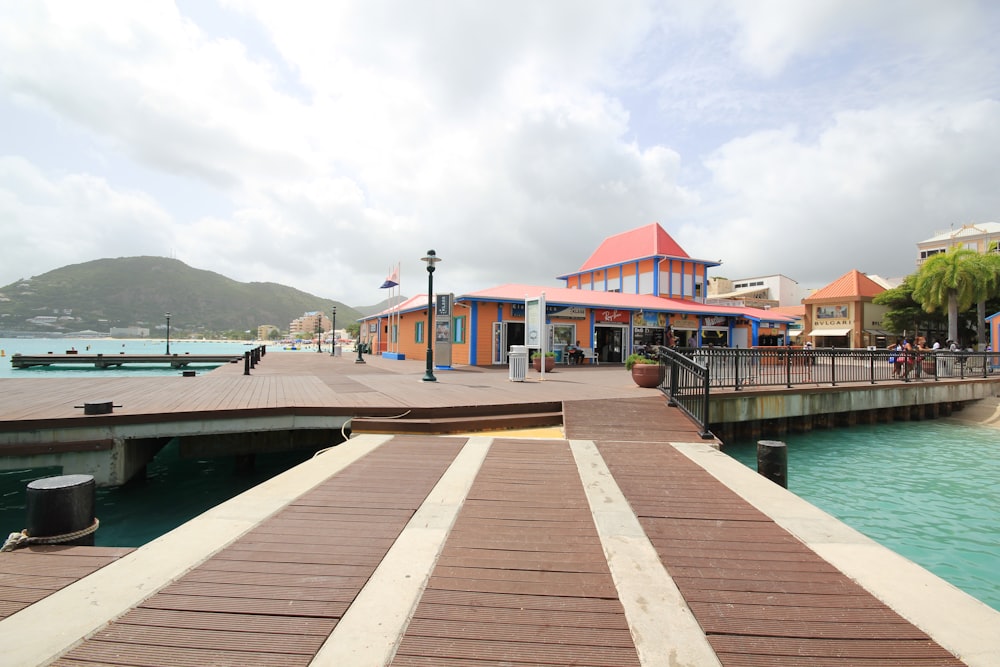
{"type": "Point", "coordinates": [337, 351]}
{"type": "Point", "coordinates": [518, 362]}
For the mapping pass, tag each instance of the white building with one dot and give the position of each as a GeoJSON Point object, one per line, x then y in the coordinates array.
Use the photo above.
{"type": "Point", "coordinates": [983, 237]}
{"type": "Point", "coordinates": [758, 292]}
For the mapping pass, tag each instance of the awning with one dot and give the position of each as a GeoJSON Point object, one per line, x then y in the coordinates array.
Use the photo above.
{"type": "Point", "coordinates": [829, 332]}
{"type": "Point", "coordinates": [878, 332]}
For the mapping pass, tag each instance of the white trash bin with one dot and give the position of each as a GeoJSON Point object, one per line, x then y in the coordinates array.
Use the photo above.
{"type": "Point", "coordinates": [517, 360]}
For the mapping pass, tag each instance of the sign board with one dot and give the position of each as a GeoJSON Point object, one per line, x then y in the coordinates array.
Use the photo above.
{"type": "Point", "coordinates": [534, 327]}
{"type": "Point", "coordinates": [442, 329]}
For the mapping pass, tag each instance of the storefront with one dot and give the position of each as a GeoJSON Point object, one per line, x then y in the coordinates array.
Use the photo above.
{"type": "Point", "coordinates": [648, 330]}
{"type": "Point", "coordinates": [610, 334]}
{"type": "Point", "coordinates": [715, 331]}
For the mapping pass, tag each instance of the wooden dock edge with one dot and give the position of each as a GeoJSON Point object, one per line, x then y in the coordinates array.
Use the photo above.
{"type": "Point", "coordinates": [52, 626]}
{"type": "Point", "coordinates": [954, 619]}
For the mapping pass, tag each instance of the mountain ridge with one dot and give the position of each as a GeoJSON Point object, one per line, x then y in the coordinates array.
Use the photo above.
{"type": "Point", "coordinates": [138, 292]}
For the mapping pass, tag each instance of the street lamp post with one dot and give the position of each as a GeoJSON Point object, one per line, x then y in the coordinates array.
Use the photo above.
{"type": "Point", "coordinates": [167, 315]}
{"type": "Point", "coordinates": [333, 330]}
{"type": "Point", "coordinates": [319, 331]}
{"type": "Point", "coordinates": [431, 260]}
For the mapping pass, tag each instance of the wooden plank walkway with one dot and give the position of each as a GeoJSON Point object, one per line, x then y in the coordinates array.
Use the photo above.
{"type": "Point", "coordinates": [522, 578]}
{"type": "Point", "coordinates": [761, 596]}
{"type": "Point", "coordinates": [273, 596]}
{"type": "Point", "coordinates": [32, 573]}
{"type": "Point", "coordinates": [528, 573]}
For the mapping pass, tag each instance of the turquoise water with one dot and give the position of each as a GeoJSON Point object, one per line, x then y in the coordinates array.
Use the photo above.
{"type": "Point", "coordinates": [928, 490]}
{"type": "Point", "coordinates": [175, 490]}
{"type": "Point", "coordinates": [11, 346]}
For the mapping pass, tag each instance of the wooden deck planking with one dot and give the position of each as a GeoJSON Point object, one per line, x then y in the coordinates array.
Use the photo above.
{"type": "Point", "coordinates": [659, 482]}
{"type": "Point", "coordinates": [522, 578]}
{"type": "Point", "coordinates": [29, 574]}
{"type": "Point", "coordinates": [523, 490]}
{"type": "Point", "coordinates": [299, 582]}
{"type": "Point", "coordinates": [647, 419]}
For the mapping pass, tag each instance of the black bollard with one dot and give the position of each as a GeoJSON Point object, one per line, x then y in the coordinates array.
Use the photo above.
{"type": "Point", "coordinates": [246, 363]}
{"type": "Point", "coordinates": [772, 461]}
{"type": "Point", "coordinates": [60, 506]}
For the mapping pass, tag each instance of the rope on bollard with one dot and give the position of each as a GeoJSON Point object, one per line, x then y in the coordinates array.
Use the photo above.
{"type": "Point", "coordinates": [22, 539]}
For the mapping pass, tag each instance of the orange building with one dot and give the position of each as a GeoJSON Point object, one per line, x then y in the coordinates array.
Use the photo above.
{"type": "Point", "coordinates": [638, 288]}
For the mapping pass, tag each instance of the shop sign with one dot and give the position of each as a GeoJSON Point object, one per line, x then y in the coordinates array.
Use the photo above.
{"type": "Point", "coordinates": [714, 321]}
{"type": "Point", "coordinates": [615, 316]}
{"type": "Point", "coordinates": [568, 312]}
{"type": "Point", "coordinates": [827, 313]}
{"type": "Point", "coordinates": [645, 319]}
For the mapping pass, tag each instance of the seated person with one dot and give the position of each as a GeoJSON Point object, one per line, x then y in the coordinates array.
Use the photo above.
{"type": "Point", "coordinates": [575, 353]}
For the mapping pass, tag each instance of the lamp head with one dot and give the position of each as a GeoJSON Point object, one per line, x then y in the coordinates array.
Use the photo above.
{"type": "Point", "coordinates": [431, 259]}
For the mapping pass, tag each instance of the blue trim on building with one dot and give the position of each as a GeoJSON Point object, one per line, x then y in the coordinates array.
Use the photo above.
{"type": "Point", "coordinates": [473, 333]}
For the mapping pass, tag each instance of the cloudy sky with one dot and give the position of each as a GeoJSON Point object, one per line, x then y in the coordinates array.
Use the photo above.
{"type": "Point", "coordinates": [316, 144]}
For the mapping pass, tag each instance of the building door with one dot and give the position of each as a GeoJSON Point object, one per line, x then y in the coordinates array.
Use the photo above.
{"type": "Point", "coordinates": [506, 334]}
{"type": "Point", "coordinates": [741, 337]}
{"type": "Point", "coordinates": [609, 342]}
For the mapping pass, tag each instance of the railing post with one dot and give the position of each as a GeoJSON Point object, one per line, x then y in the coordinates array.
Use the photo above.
{"type": "Point", "coordinates": [833, 367]}
{"type": "Point", "coordinates": [788, 368]}
{"type": "Point", "coordinates": [705, 433]}
{"type": "Point", "coordinates": [246, 363]}
{"type": "Point", "coordinates": [674, 375]}
{"type": "Point", "coordinates": [871, 364]}
{"type": "Point", "coordinates": [736, 370]}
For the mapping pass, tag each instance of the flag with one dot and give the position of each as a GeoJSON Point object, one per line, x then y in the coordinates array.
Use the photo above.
{"type": "Point", "coordinates": [392, 280]}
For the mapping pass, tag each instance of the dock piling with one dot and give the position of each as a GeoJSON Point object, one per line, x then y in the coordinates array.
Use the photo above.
{"type": "Point", "coordinates": [772, 461]}
{"type": "Point", "coordinates": [63, 505]}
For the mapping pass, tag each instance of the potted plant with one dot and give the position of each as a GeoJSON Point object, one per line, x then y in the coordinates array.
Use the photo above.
{"type": "Point", "coordinates": [646, 372]}
{"type": "Point", "coordinates": [550, 361]}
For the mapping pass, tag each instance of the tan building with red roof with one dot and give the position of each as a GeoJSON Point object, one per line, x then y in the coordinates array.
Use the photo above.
{"type": "Point", "coordinates": [842, 313]}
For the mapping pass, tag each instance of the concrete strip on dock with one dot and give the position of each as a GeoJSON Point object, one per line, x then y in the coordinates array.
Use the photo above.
{"type": "Point", "coordinates": [55, 624]}
{"type": "Point", "coordinates": [960, 623]}
{"type": "Point", "coordinates": [376, 620]}
{"type": "Point", "coordinates": [369, 632]}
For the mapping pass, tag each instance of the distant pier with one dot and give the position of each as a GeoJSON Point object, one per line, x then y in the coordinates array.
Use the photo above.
{"type": "Point", "coordinates": [117, 360]}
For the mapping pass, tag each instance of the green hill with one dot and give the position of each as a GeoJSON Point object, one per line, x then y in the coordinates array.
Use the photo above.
{"type": "Point", "coordinates": [137, 291]}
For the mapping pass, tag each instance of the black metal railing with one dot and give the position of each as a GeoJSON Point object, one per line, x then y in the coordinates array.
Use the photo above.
{"type": "Point", "coordinates": [685, 382]}
{"type": "Point", "coordinates": [736, 368]}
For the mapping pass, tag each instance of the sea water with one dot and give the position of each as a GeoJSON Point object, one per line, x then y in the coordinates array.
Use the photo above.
{"type": "Point", "coordinates": [108, 347]}
{"type": "Point", "coordinates": [174, 490]}
{"type": "Point", "coordinates": [928, 490]}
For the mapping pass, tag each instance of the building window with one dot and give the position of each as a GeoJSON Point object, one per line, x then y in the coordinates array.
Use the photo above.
{"type": "Point", "coordinates": [418, 331]}
{"type": "Point", "coordinates": [458, 327]}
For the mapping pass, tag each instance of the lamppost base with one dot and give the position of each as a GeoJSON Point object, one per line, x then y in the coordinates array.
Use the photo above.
{"type": "Point", "coordinates": [428, 377]}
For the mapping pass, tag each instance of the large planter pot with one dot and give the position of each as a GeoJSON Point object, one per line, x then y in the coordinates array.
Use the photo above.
{"type": "Point", "coordinates": [550, 363]}
{"type": "Point", "coordinates": [647, 375]}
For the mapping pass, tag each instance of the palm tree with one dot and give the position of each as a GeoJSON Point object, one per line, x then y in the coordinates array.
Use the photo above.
{"type": "Point", "coordinates": [950, 279]}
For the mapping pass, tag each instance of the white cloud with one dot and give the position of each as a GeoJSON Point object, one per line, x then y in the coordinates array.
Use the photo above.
{"type": "Point", "coordinates": [51, 222]}
{"type": "Point", "coordinates": [859, 197]}
{"type": "Point", "coordinates": [316, 144]}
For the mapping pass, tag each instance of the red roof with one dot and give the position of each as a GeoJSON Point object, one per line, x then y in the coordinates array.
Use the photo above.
{"type": "Point", "coordinates": [592, 299]}
{"type": "Point", "coordinates": [851, 285]}
{"type": "Point", "coordinates": [648, 241]}
{"type": "Point", "coordinates": [599, 299]}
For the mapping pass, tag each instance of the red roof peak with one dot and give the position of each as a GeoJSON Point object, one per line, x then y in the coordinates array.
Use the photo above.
{"type": "Point", "coordinates": [851, 284]}
{"type": "Point", "coordinates": [647, 241]}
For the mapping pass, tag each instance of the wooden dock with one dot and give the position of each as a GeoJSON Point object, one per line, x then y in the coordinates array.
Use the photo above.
{"type": "Point", "coordinates": [119, 360]}
{"type": "Point", "coordinates": [630, 541]}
